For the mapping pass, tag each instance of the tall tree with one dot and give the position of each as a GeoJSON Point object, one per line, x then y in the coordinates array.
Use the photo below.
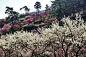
{"type": "Point", "coordinates": [26, 8]}
{"type": "Point", "coordinates": [57, 7]}
{"type": "Point", "coordinates": [21, 10]}
{"type": "Point", "coordinates": [47, 7]}
{"type": "Point", "coordinates": [12, 15]}
{"type": "Point", "coordinates": [37, 6]}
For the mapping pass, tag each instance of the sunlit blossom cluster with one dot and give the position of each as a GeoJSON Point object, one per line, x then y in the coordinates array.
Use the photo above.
{"type": "Point", "coordinates": [19, 38]}
{"type": "Point", "coordinates": [46, 21]}
{"type": "Point", "coordinates": [6, 27]}
{"type": "Point", "coordinates": [52, 19]}
{"type": "Point", "coordinates": [17, 26]}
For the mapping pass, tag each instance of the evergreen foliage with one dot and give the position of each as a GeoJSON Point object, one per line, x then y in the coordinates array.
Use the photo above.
{"type": "Point", "coordinates": [12, 15]}
{"type": "Point", "coordinates": [57, 8]}
{"type": "Point", "coordinates": [37, 6]}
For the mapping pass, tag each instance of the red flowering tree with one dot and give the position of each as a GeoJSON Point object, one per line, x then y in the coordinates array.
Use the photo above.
{"type": "Point", "coordinates": [30, 20]}
{"type": "Point", "coordinates": [46, 21]}
{"type": "Point", "coordinates": [52, 19]}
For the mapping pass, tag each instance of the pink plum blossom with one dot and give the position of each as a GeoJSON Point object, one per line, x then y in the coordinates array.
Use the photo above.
{"type": "Point", "coordinates": [17, 26]}
{"type": "Point", "coordinates": [52, 19]}
{"type": "Point", "coordinates": [42, 14]}
{"type": "Point", "coordinates": [7, 25]}
{"type": "Point", "coordinates": [30, 19]}
{"type": "Point", "coordinates": [46, 21]}
{"type": "Point", "coordinates": [4, 28]}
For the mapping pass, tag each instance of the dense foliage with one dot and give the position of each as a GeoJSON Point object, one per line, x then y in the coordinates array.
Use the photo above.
{"type": "Point", "coordinates": [37, 6]}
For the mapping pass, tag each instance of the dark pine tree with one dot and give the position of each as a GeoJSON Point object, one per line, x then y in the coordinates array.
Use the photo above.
{"type": "Point", "coordinates": [37, 6]}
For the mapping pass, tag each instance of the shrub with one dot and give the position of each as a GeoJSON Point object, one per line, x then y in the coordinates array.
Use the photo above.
{"type": "Point", "coordinates": [29, 20]}
{"type": "Point", "coordinates": [52, 19]}
{"type": "Point", "coordinates": [46, 21]}
{"type": "Point", "coordinates": [17, 26]}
